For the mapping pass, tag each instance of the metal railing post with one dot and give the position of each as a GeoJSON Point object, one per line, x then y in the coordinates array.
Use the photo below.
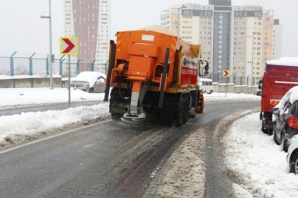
{"type": "Point", "coordinates": [31, 65]}
{"type": "Point", "coordinates": [78, 67]}
{"type": "Point", "coordinates": [61, 65]}
{"type": "Point", "coordinates": [12, 64]}
{"type": "Point", "coordinates": [92, 66]}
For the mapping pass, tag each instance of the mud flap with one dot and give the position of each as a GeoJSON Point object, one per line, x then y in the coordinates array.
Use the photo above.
{"type": "Point", "coordinates": [200, 107]}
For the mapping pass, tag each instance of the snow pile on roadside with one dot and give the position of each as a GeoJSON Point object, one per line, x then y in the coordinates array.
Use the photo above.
{"type": "Point", "coordinates": [28, 96]}
{"type": "Point", "coordinates": [240, 192]}
{"type": "Point", "coordinates": [216, 97]}
{"type": "Point", "coordinates": [16, 128]}
{"type": "Point", "coordinates": [255, 162]}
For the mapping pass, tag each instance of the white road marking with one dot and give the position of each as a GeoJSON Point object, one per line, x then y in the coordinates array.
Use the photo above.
{"type": "Point", "coordinates": [52, 136]}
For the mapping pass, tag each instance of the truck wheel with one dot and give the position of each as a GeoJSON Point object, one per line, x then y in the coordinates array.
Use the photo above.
{"type": "Point", "coordinates": [182, 111]}
{"type": "Point", "coordinates": [186, 103]}
{"type": "Point", "coordinates": [180, 119]}
{"type": "Point", "coordinates": [266, 131]}
{"type": "Point", "coordinates": [178, 122]}
{"type": "Point", "coordinates": [262, 129]}
{"type": "Point", "coordinates": [185, 116]}
{"type": "Point", "coordinates": [115, 116]}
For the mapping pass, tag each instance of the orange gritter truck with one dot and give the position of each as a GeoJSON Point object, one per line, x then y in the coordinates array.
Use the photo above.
{"type": "Point", "coordinates": [279, 76]}
{"type": "Point", "coordinates": [152, 71]}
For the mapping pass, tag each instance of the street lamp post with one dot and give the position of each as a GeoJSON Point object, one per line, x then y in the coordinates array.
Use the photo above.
{"type": "Point", "coordinates": [252, 59]}
{"type": "Point", "coordinates": [183, 6]}
{"type": "Point", "coordinates": [50, 58]}
{"type": "Point", "coordinates": [252, 56]}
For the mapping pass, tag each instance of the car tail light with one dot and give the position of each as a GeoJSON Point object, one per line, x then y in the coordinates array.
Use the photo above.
{"type": "Point", "coordinates": [293, 122]}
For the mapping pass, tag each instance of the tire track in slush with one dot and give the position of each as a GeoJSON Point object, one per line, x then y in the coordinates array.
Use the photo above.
{"type": "Point", "coordinates": [217, 184]}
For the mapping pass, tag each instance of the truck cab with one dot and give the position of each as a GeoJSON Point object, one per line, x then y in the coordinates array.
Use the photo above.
{"type": "Point", "coordinates": [279, 76]}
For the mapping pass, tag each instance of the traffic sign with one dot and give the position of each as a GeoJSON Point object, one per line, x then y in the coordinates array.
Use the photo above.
{"type": "Point", "coordinates": [69, 46]}
{"type": "Point", "coordinates": [226, 73]}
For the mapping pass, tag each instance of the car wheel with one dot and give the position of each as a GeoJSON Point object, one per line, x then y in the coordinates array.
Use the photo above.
{"type": "Point", "coordinates": [275, 138]}
{"type": "Point", "coordinates": [210, 92]}
{"type": "Point", "coordinates": [285, 145]}
{"type": "Point", "coordinates": [294, 164]}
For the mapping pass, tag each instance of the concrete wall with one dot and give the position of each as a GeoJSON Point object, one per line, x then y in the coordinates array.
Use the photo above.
{"type": "Point", "coordinates": [30, 82]}
{"type": "Point", "coordinates": [232, 88]}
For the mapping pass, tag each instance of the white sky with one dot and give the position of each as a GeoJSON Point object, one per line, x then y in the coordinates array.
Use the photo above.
{"type": "Point", "coordinates": [249, 153]}
{"type": "Point", "coordinates": [23, 30]}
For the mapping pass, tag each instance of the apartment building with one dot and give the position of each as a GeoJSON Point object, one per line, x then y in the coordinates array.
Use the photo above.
{"type": "Point", "coordinates": [89, 20]}
{"type": "Point", "coordinates": [235, 38]}
{"type": "Point", "coordinates": [247, 41]}
{"type": "Point", "coordinates": [277, 41]}
{"type": "Point", "coordinates": [194, 24]}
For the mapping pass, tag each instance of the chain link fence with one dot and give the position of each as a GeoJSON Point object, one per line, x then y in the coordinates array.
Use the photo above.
{"type": "Point", "coordinates": [15, 65]}
{"type": "Point", "coordinates": [237, 80]}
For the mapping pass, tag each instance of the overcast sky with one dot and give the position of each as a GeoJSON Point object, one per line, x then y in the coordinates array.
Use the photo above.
{"type": "Point", "coordinates": [23, 30]}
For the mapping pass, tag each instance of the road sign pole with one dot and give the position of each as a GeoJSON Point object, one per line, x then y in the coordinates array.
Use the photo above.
{"type": "Point", "coordinates": [69, 46]}
{"type": "Point", "coordinates": [69, 81]}
{"type": "Point", "coordinates": [226, 87]}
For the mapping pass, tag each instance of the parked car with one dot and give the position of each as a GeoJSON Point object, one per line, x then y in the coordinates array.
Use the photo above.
{"type": "Point", "coordinates": [292, 156]}
{"type": "Point", "coordinates": [206, 85]}
{"type": "Point", "coordinates": [89, 81]}
{"type": "Point", "coordinates": [285, 118]}
{"type": "Point", "coordinates": [259, 92]}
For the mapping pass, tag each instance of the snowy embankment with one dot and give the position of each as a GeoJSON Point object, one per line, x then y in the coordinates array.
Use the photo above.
{"type": "Point", "coordinates": [255, 162]}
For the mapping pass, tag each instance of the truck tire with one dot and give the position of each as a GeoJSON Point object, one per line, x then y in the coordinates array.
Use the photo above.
{"type": "Point", "coordinates": [267, 131]}
{"type": "Point", "coordinates": [182, 110]}
{"type": "Point", "coordinates": [262, 129]}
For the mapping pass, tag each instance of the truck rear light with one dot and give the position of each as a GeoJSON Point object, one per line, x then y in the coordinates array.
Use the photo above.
{"type": "Point", "coordinates": [293, 122]}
